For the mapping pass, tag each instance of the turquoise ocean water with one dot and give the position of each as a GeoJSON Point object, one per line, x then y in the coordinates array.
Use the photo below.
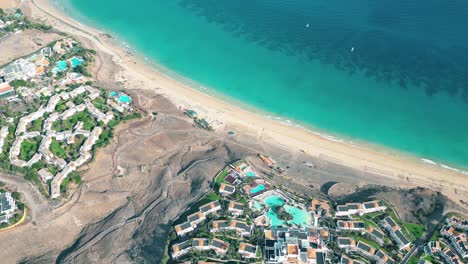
{"type": "Point", "coordinates": [387, 72]}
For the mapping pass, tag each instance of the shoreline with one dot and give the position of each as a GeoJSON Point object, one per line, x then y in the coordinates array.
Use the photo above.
{"type": "Point", "coordinates": [65, 9]}
{"type": "Point", "coordinates": [186, 82]}
{"type": "Point", "coordinates": [412, 171]}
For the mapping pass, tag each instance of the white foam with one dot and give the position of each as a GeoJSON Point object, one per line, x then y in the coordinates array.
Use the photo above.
{"type": "Point", "coordinates": [429, 161]}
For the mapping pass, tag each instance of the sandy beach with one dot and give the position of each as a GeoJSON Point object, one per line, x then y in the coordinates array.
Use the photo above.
{"type": "Point", "coordinates": [136, 74]}
{"type": "Point", "coordinates": [8, 3]}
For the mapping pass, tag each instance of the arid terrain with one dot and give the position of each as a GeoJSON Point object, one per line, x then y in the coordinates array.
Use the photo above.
{"type": "Point", "coordinates": [155, 168]}
{"type": "Point", "coordinates": [18, 45]}
{"type": "Point", "coordinates": [9, 3]}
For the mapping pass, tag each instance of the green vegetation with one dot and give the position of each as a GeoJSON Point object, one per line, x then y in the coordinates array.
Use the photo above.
{"type": "Point", "coordinates": [400, 223]}
{"type": "Point", "coordinates": [73, 177]}
{"type": "Point", "coordinates": [282, 214]}
{"type": "Point", "coordinates": [104, 139]}
{"type": "Point", "coordinates": [416, 230]}
{"type": "Point", "coordinates": [29, 148]}
{"type": "Point", "coordinates": [36, 125]}
{"type": "Point", "coordinates": [32, 176]}
{"type": "Point", "coordinates": [57, 150]}
{"type": "Point", "coordinates": [66, 125]}
{"type": "Point", "coordinates": [60, 107]}
{"type": "Point", "coordinates": [414, 260]}
{"type": "Point", "coordinates": [367, 221]}
{"type": "Point", "coordinates": [429, 258]}
{"type": "Point", "coordinates": [101, 104]}
{"type": "Point", "coordinates": [222, 175]}
{"type": "Point", "coordinates": [435, 236]}
{"type": "Point", "coordinates": [68, 152]}
{"type": "Point", "coordinates": [20, 83]}
{"type": "Point", "coordinates": [20, 22]}
{"type": "Point", "coordinates": [61, 149]}
{"type": "Point", "coordinates": [362, 239]}
{"type": "Point", "coordinates": [195, 185]}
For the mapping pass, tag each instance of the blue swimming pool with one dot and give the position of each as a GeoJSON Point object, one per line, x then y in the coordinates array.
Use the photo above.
{"type": "Point", "coordinates": [60, 66]}
{"type": "Point", "coordinates": [125, 99]}
{"type": "Point", "coordinates": [300, 217]}
{"type": "Point", "coordinates": [250, 174]}
{"type": "Point", "coordinates": [75, 61]}
{"type": "Point", "coordinates": [257, 189]}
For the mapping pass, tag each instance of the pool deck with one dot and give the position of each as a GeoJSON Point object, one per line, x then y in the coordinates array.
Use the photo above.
{"type": "Point", "coordinates": [288, 202]}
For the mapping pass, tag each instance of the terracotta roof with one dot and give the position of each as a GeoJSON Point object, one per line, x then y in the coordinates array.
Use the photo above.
{"type": "Point", "coordinates": [293, 249]}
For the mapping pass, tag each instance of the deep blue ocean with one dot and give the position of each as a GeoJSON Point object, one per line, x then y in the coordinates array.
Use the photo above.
{"type": "Point", "coordinates": [392, 73]}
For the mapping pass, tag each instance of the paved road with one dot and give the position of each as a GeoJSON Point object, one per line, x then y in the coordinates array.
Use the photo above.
{"type": "Point", "coordinates": [414, 250]}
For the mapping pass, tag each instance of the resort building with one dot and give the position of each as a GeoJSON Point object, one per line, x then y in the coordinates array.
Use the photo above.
{"type": "Point", "coordinates": [100, 116]}
{"type": "Point", "coordinates": [180, 249]}
{"type": "Point", "coordinates": [457, 222]}
{"type": "Point", "coordinates": [235, 208]}
{"type": "Point", "coordinates": [319, 209]}
{"type": "Point", "coordinates": [350, 209]}
{"type": "Point", "coordinates": [373, 206]}
{"type": "Point", "coordinates": [3, 137]}
{"type": "Point", "coordinates": [233, 177]}
{"type": "Point", "coordinates": [225, 189]}
{"type": "Point", "coordinates": [219, 246]}
{"type": "Point", "coordinates": [247, 250]}
{"type": "Point", "coordinates": [447, 230]}
{"type": "Point", "coordinates": [460, 244]}
{"type": "Point", "coordinates": [284, 245]}
{"type": "Point", "coordinates": [433, 247]}
{"type": "Point", "coordinates": [45, 175]}
{"type": "Point", "coordinates": [210, 208]}
{"type": "Point", "coordinates": [395, 232]}
{"type": "Point", "coordinates": [365, 249]}
{"type": "Point", "coordinates": [350, 225]}
{"type": "Point", "coordinates": [20, 69]}
{"type": "Point", "coordinates": [183, 229]}
{"type": "Point", "coordinates": [196, 218]}
{"type": "Point", "coordinates": [219, 226]}
{"type": "Point", "coordinates": [346, 243]}
{"type": "Point", "coordinates": [7, 206]}
{"type": "Point", "coordinates": [267, 160]}
{"type": "Point", "coordinates": [457, 240]}
{"type": "Point", "coordinates": [377, 235]}
{"type": "Point", "coordinates": [449, 256]}
{"type": "Point", "coordinates": [241, 227]}
{"type": "Point", "coordinates": [315, 257]}
{"type": "Point", "coordinates": [382, 258]}
{"type": "Point", "coordinates": [347, 260]}
{"type": "Point", "coordinates": [5, 89]}
{"type": "Point", "coordinates": [201, 244]}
